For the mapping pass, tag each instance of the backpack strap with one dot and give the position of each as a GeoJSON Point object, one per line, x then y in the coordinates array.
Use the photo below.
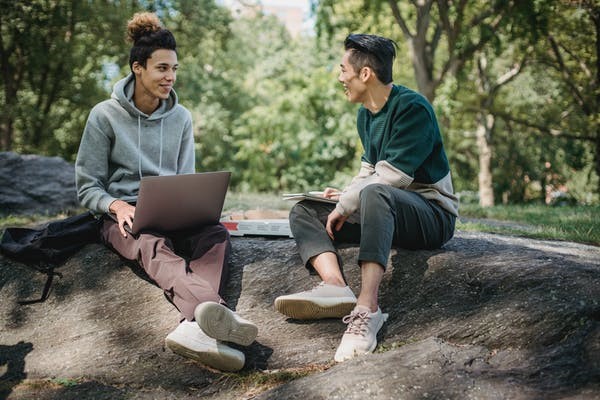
{"type": "Point", "coordinates": [49, 271]}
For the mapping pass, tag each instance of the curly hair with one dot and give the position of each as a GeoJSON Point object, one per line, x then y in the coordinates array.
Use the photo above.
{"type": "Point", "coordinates": [148, 35]}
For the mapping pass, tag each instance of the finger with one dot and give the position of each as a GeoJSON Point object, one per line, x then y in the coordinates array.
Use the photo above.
{"type": "Point", "coordinates": [328, 229]}
{"type": "Point", "coordinates": [331, 192]}
{"type": "Point", "coordinates": [339, 224]}
{"type": "Point", "coordinates": [122, 229]}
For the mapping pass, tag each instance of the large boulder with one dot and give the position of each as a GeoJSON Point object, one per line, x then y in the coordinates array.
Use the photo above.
{"type": "Point", "coordinates": [486, 317]}
{"type": "Point", "coordinates": [32, 184]}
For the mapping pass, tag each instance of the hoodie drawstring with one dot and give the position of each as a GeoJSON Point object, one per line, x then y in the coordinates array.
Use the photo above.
{"type": "Point", "coordinates": [140, 147]}
{"type": "Point", "coordinates": [161, 147]}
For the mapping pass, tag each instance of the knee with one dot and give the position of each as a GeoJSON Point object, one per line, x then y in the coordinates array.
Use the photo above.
{"type": "Point", "coordinates": [299, 210]}
{"type": "Point", "coordinates": [220, 231]}
{"type": "Point", "coordinates": [374, 194]}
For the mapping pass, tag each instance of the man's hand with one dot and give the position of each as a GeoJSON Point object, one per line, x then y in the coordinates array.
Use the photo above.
{"type": "Point", "coordinates": [335, 220]}
{"type": "Point", "coordinates": [124, 213]}
{"type": "Point", "coordinates": [331, 193]}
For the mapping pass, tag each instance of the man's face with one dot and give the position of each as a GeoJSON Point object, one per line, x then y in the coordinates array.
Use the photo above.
{"type": "Point", "coordinates": [354, 87]}
{"type": "Point", "coordinates": [159, 76]}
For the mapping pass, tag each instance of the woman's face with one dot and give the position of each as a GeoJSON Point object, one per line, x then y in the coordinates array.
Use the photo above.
{"type": "Point", "coordinates": [158, 78]}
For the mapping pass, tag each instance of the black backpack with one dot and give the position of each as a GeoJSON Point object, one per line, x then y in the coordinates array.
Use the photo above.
{"type": "Point", "coordinates": [49, 246]}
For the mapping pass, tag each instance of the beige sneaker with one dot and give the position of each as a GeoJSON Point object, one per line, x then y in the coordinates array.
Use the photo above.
{"type": "Point", "coordinates": [361, 335]}
{"type": "Point", "coordinates": [189, 341]}
{"type": "Point", "coordinates": [323, 301]}
{"type": "Point", "coordinates": [219, 322]}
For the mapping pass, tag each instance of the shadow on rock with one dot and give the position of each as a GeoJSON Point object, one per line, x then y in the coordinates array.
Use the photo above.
{"type": "Point", "coordinates": [12, 361]}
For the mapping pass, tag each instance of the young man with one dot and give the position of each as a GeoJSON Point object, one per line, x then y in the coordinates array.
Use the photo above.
{"type": "Point", "coordinates": [144, 131]}
{"type": "Point", "coordinates": [401, 196]}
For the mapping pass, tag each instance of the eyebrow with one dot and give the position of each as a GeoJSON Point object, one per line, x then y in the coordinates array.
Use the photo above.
{"type": "Point", "coordinates": [167, 65]}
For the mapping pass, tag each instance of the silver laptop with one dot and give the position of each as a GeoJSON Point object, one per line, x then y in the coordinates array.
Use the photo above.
{"type": "Point", "coordinates": [175, 202]}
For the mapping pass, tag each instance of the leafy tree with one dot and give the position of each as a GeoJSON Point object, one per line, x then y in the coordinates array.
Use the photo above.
{"type": "Point", "coordinates": [52, 56]}
{"type": "Point", "coordinates": [442, 35]}
{"type": "Point", "coordinates": [567, 64]}
{"type": "Point", "coordinates": [292, 129]}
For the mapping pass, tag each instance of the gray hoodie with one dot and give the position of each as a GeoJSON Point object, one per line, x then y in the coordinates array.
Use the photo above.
{"type": "Point", "coordinates": [121, 144]}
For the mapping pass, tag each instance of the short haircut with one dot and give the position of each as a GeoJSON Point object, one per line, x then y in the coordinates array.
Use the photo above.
{"type": "Point", "coordinates": [372, 51]}
{"type": "Point", "coordinates": [147, 35]}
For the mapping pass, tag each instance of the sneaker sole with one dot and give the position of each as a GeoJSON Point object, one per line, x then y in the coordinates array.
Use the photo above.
{"type": "Point", "coordinates": [223, 359]}
{"type": "Point", "coordinates": [219, 322]}
{"type": "Point", "coordinates": [306, 309]}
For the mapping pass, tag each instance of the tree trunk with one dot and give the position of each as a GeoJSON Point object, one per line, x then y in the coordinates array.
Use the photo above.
{"type": "Point", "coordinates": [597, 159]}
{"type": "Point", "coordinates": [7, 118]}
{"type": "Point", "coordinates": [484, 133]}
{"type": "Point", "coordinates": [423, 71]}
{"type": "Point", "coordinates": [6, 135]}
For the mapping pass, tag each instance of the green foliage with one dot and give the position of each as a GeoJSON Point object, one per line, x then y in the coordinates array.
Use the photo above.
{"type": "Point", "coordinates": [52, 55]}
{"type": "Point", "coordinates": [268, 106]}
{"type": "Point", "coordinates": [282, 122]}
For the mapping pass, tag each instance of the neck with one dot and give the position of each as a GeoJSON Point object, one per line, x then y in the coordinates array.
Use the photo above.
{"type": "Point", "coordinates": [377, 96]}
{"type": "Point", "coordinates": [143, 102]}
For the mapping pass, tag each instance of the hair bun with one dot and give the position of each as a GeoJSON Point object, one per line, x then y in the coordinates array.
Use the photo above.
{"type": "Point", "coordinates": [142, 24]}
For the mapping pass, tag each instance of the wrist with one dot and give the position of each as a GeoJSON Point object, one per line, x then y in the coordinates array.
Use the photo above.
{"type": "Point", "coordinates": [114, 206]}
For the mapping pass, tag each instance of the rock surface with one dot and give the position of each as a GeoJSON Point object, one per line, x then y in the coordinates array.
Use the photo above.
{"type": "Point", "coordinates": [486, 317]}
{"type": "Point", "coordinates": [31, 184]}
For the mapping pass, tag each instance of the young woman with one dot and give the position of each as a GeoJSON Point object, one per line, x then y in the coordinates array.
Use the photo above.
{"type": "Point", "coordinates": [140, 131]}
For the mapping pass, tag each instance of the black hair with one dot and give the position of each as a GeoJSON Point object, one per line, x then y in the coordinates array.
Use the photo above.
{"type": "Point", "coordinates": [372, 51]}
{"type": "Point", "coordinates": [147, 35]}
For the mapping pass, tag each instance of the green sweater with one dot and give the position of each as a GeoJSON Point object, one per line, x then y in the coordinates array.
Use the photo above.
{"type": "Point", "coordinates": [402, 148]}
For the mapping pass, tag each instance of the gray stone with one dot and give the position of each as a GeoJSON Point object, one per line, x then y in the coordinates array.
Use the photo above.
{"type": "Point", "coordinates": [31, 184]}
{"type": "Point", "coordinates": [487, 317]}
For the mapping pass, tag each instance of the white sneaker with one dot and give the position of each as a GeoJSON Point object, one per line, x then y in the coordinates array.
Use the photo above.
{"type": "Point", "coordinates": [323, 301]}
{"type": "Point", "coordinates": [219, 322]}
{"type": "Point", "coordinates": [189, 341]}
{"type": "Point", "coordinates": [361, 335]}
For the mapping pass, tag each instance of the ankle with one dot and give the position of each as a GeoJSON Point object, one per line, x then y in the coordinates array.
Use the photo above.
{"type": "Point", "coordinates": [373, 307]}
{"type": "Point", "coordinates": [335, 282]}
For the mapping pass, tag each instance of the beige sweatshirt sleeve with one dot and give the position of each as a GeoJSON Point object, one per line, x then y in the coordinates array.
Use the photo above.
{"type": "Point", "coordinates": [383, 172]}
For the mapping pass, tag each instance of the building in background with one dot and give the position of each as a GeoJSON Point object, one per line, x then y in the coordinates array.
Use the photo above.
{"type": "Point", "coordinates": [294, 14]}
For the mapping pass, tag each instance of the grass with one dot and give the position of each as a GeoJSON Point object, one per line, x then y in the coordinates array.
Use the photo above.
{"type": "Point", "coordinates": [579, 224]}
{"type": "Point", "coordinates": [257, 382]}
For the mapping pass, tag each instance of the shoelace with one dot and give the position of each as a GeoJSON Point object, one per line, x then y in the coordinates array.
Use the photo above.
{"type": "Point", "coordinates": [358, 323]}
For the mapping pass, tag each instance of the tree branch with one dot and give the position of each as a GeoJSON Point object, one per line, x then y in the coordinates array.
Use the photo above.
{"type": "Point", "coordinates": [423, 14]}
{"type": "Point", "coordinates": [511, 73]}
{"type": "Point", "coordinates": [567, 75]}
{"type": "Point", "coordinates": [400, 20]}
{"type": "Point", "coordinates": [542, 128]}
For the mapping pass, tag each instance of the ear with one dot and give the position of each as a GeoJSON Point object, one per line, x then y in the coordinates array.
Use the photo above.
{"type": "Point", "coordinates": [136, 67]}
{"type": "Point", "coordinates": [365, 74]}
